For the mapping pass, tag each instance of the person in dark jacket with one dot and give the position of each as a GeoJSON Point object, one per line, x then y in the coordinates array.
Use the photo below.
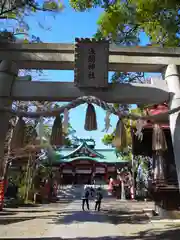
{"type": "Point", "coordinates": [92, 191]}
{"type": "Point", "coordinates": [98, 199]}
{"type": "Point", "coordinates": [85, 199]}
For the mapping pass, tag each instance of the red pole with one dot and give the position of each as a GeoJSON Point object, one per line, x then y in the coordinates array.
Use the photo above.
{"type": "Point", "coordinates": [1, 194]}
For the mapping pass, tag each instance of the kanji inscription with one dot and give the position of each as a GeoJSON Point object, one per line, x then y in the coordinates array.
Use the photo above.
{"type": "Point", "coordinates": [91, 63]}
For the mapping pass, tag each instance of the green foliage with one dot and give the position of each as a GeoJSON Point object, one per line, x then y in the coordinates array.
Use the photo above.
{"type": "Point", "coordinates": [67, 142]}
{"type": "Point", "coordinates": [18, 10]}
{"type": "Point", "coordinates": [83, 5]}
{"type": "Point", "coordinates": [108, 138]}
{"type": "Point", "coordinates": [15, 9]}
{"type": "Point", "coordinates": [21, 191]}
{"type": "Point", "coordinates": [127, 77]}
{"type": "Point", "coordinates": [127, 156]}
{"type": "Point", "coordinates": [52, 6]}
{"type": "Point", "coordinates": [110, 19]}
{"type": "Point", "coordinates": [159, 19]}
{"type": "Point", "coordinates": [68, 136]}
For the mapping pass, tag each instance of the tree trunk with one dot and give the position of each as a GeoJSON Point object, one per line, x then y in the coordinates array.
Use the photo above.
{"type": "Point", "coordinates": [27, 180]}
{"type": "Point", "coordinates": [13, 122]}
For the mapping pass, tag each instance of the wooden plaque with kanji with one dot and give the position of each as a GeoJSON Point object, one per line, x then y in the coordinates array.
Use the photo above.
{"type": "Point", "coordinates": [91, 63]}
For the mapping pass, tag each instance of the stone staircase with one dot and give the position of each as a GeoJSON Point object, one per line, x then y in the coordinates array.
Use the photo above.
{"type": "Point", "coordinates": [74, 192]}
{"type": "Point", "coordinates": [70, 192]}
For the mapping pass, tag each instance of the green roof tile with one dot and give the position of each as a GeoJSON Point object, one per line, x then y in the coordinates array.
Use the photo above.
{"type": "Point", "coordinates": [109, 156]}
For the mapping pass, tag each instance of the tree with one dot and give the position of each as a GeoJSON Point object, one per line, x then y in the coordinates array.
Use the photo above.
{"type": "Point", "coordinates": [159, 19]}
{"type": "Point", "coordinates": [69, 136]}
{"type": "Point", "coordinates": [108, 138]}
{"type": "Point", "coordinates": [17, 8]}
{"type": "Point", "coordinates": [15, 11]}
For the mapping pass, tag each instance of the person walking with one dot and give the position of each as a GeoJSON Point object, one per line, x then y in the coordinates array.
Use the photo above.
{"type": "Point", "coordinates": [92, 191]}
{"type": "Point", "coordinates": [85, 199]}
{"type": "Point", "coordinates": [98, 199]}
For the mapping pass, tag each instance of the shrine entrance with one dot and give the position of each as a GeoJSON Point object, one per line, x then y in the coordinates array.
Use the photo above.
{"type": "Point", "coordinates": [87, 165]}
{"type": "Point", "coordinates": [83, 172]}
{"type": "Point", "coordinates": [91, 60]}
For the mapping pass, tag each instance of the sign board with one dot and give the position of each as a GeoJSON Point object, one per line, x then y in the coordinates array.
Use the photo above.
{"type": "Point", "coordinates": [100, 170]}
{"type": "Point", "coordinates": [91, 63]}
{"type": "Point", "coordinates": [67, 170]}
{"type": "Point", "coordinates": [111, 169]}
{"type": "Point", "coordinates": [84, 171]}
{"type": "Point", "coordinates": [83, 162]}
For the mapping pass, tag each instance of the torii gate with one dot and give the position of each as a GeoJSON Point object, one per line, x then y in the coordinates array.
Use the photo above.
{"type": "Point", "coordinates": [91, 61]}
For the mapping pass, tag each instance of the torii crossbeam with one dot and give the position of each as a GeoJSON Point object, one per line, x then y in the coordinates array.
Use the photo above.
{"type": "Point", "coordinates": [91, 62]}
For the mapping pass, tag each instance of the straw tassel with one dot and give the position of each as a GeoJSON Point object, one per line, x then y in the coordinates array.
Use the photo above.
{"type": "Point", "coordinates": [120, 138]}
{"type": "Point", "coordinates": [66, 121]}
{"type": "Point", "coordinates": [18, 134]}
{"type": "Point", "coordinates": [158, 139]}
{"type": "Point", "coordinates": [107, 121]}
{"type": "Point", "coordinates": [90, 121]}
{"type": "Point", "coordinates": [57, 132]}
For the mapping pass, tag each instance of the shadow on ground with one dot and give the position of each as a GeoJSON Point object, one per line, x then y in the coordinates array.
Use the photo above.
{"type": "Point", "coordinates": [41, 208]}
{"type": "Point", "coordinates": [113, 217]}
{"type": "Point", "coordinates": [168, 234]}
{"type": "Point", "coordinates": [14, 204]}
{"type": "Point", "coordinates": [7, 213]}
{"type": "Point", "coordinates": [172, 233]}
{"type": "Point", "coordinates": [81, 217]}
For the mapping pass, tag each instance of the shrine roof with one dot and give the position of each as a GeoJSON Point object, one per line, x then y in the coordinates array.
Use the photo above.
{"type": "Point", "coordinates": [82, 150]}
{"type": "Point", "coordinates": [109, 157]}
{"type": "Point", "coordinates": [98, 155]}
{"type": "Point", "coordinates": [156, 109]}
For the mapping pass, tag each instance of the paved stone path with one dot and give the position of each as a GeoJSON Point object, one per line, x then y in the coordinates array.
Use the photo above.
{"type": "Point", "coordinates": [118, 220]}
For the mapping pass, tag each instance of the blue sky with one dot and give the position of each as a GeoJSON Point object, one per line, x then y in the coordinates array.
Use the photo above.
{"type": "Point", "coordinates": [64, 27]}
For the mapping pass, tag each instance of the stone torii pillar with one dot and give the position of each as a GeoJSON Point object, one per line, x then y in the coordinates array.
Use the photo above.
{"type": "Point", "coordinates": [8, 73]}
{"type": "Point", "coordinates": [172, 78]}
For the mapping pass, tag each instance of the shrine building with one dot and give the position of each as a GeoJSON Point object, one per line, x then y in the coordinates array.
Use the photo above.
{"type": "Point", "coordinates": [86, 165]}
